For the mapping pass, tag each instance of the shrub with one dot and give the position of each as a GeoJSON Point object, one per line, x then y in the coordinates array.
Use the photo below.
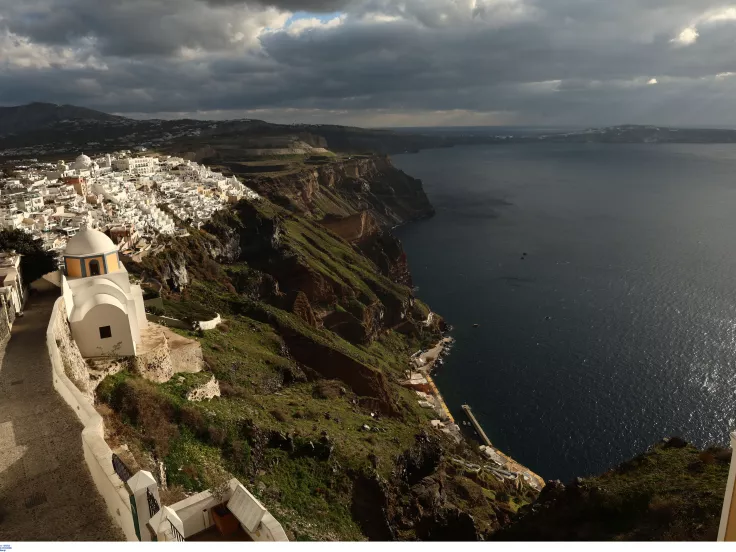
{"type": "Point", "coordinates": [279, 415]}
{"type": "Point", "coordinates": [232, 390]}
{"type": "Point", "coordinates": [217, 435]}
{"type": "Point", "coordinates": [194, 419]}
{"type": "Point", "coordinates": [328, 389]}
{"type": "Point", "coordinates": [172, 494]}
{"type": "Point", "coordinates": [721, 454]}
{"type": "Point", "coordinates": [138, 401]}
{"type": "Point", "coordinates": [707, 457]}
{"type": "Point", "coordinates": [241, 454]}
{"type": "Point", "coordinates": [662, 508]}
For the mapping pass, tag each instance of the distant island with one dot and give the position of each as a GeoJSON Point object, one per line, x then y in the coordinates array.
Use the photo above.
{"type": "Point", "coordinates": [50, 130]}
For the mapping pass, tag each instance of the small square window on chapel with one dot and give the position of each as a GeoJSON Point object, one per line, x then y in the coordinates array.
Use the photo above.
{"type": "Point", "coordinates": [105, 332]}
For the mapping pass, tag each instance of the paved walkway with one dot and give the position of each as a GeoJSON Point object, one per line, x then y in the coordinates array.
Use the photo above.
{"type": "Point", "coordinates": [46, 491]}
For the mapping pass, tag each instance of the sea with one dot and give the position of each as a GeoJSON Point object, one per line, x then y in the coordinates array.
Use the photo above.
{"type": "Point", "coordinates": [602, 280]}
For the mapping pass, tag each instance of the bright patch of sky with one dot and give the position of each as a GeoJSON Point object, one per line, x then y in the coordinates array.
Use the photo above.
{"type": "Point", "coordinates": [323, 17]}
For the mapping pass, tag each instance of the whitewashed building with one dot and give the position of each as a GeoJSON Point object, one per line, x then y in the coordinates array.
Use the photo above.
{"type": "Point", "coordinates": [105, 311]}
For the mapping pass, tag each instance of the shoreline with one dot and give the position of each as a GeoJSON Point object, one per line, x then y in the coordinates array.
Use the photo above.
{"type": "Point", "coordinates": [419, 379]}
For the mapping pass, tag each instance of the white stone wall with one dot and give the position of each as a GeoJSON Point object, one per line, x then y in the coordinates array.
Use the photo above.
{"type": "Point", "coordinates": [97, 454]}
{"type": "Point", "coordinates": [210, 324]}
{"type": "Point", "coordinates": [194, 513]}
{"type": "Point", "coordinates": [86, 332]}
{"type": "Point", "coordinates": [728, 496]}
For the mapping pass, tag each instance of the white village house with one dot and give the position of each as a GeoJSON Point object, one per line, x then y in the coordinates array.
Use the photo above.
{"type": "Point", "coordinates": [105, 311]}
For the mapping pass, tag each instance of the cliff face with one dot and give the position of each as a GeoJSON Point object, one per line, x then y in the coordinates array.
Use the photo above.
{"type": "Point", "coordinates": [320, 320]}
{"type": "Point", "coordinates": [319, 324]}
{"type": "Point", "coordinates": [359, 200]}
{"type": "Point", "coordinates": [349, 186]}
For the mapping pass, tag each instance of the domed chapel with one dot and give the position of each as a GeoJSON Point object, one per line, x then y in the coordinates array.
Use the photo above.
{"type": "Point", "coordinates": [105, 311]}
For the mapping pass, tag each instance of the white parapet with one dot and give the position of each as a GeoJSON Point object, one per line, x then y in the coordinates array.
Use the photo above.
{"type": "Point", "coordinates": [97, 453]}
{"type": "Point", "coordinates": [246, 508]}
{"type": "Point", "coordinates": [255, 519]}
{"type": "Point", "coordinates": [727, 527]}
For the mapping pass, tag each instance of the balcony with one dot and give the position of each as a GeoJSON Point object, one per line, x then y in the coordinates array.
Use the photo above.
{"type": "Point", "coordinates": [231, 515]}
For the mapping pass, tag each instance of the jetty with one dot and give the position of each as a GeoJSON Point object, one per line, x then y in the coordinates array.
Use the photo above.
{"type": "Point", "coordinates": [476, 425]}
{"type": "Point", "coordinates": [504, 464]}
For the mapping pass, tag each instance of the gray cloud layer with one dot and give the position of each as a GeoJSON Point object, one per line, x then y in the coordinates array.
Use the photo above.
{"type": "Point", "coordinates": [381, 62]}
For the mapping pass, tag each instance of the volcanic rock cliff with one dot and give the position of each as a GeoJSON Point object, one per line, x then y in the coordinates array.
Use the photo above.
{"type": "Point", "coordinates": [320, 322]}
{"type": "Point", "coordinates": [349, 186]}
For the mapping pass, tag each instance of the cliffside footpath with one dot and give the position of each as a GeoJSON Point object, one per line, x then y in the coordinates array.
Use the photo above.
{"type": "Point", "coordinates": [320, 322]}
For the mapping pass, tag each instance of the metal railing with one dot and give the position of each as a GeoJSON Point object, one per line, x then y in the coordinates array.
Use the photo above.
{"type": "Point", "coordinates": [153, 505]}
{"type": "Point", "coordinates": [120, 468]}
{"type": "Point", "coordinates": [175, 532]}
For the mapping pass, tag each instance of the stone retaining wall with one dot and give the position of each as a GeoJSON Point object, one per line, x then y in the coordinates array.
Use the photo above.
{"type": "Point", "coordinates": [5, 321]}
{"type": "Point", "coordinates": [75, 366]}
{"type": "Point", "coordinates": [155, 365]}
{"type": "Point", "coordinates": [170, 322]}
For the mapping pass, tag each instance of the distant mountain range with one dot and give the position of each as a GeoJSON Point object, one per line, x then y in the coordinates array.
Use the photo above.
{"type": "Point", "coordinates": [22, 118]}
{"type": "Point", "coordinates": [51, 130]}
{"type": "Point", "coordinates": [644, 134]}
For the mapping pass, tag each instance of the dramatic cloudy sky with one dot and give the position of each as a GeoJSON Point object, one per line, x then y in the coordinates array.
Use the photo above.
{"type": "Point", "coordinates": [378, 62]}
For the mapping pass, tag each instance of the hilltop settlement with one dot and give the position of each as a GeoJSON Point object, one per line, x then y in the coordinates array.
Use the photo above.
{"type": "Point", "coordinates": [134, 198]}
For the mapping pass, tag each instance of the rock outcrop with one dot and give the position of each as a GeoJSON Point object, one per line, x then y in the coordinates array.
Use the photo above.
{"type": "Point", "coordinates": [353, 228]}
{"type": "Point", "coordinates": [75, 366]}
{"type": "Point", "coordinates": [205, 392]}
{"type": "Point", "coordinates": [164, 353]}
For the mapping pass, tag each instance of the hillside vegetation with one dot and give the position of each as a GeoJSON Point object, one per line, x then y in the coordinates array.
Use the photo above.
{"type": "Point", "coordinates": [673, 491]}
{"type": "Point", "coordinates": [317, 336]}
{"type": "Point", "coordinates": [320, 321]}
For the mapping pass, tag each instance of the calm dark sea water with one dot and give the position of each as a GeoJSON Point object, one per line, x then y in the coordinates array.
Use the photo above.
{"type": "Point", "coordinates": [619, 326]}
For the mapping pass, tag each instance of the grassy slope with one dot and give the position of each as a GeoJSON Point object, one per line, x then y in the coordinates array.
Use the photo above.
{"type": "Point", "coordinates": [263, 389]}
{"type": "Point", "coordinates": [663, 494]}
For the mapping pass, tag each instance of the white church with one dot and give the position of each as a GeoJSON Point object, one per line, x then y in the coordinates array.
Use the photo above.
{"type": "Point", "coordinates": [105, 311]}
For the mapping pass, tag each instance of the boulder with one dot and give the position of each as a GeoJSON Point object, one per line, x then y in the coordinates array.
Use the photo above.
{"type": "Point", "coordinates": [205, 392]}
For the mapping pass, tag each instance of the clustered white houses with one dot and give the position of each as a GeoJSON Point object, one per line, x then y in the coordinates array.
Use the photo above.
{"type": "Point", "coordinates": [131, 197]}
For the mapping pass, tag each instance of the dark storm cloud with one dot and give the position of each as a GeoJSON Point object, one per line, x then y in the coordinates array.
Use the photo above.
{"type": "Point", "coordinates": [314, 6]}
{"type": "Point", "coordinates": [131, 27]}
{"type": "Point", "coordinates": [555, 61]}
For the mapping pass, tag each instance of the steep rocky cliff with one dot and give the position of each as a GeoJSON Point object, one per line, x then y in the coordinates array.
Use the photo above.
{"type": "Point", "coordinates": [319, 324]}
{"type": "Point", "coordinates": [348, 186]}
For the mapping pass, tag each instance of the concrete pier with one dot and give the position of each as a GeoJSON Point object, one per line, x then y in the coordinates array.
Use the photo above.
{"type": "Point", "coordinates": [476, 425]}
